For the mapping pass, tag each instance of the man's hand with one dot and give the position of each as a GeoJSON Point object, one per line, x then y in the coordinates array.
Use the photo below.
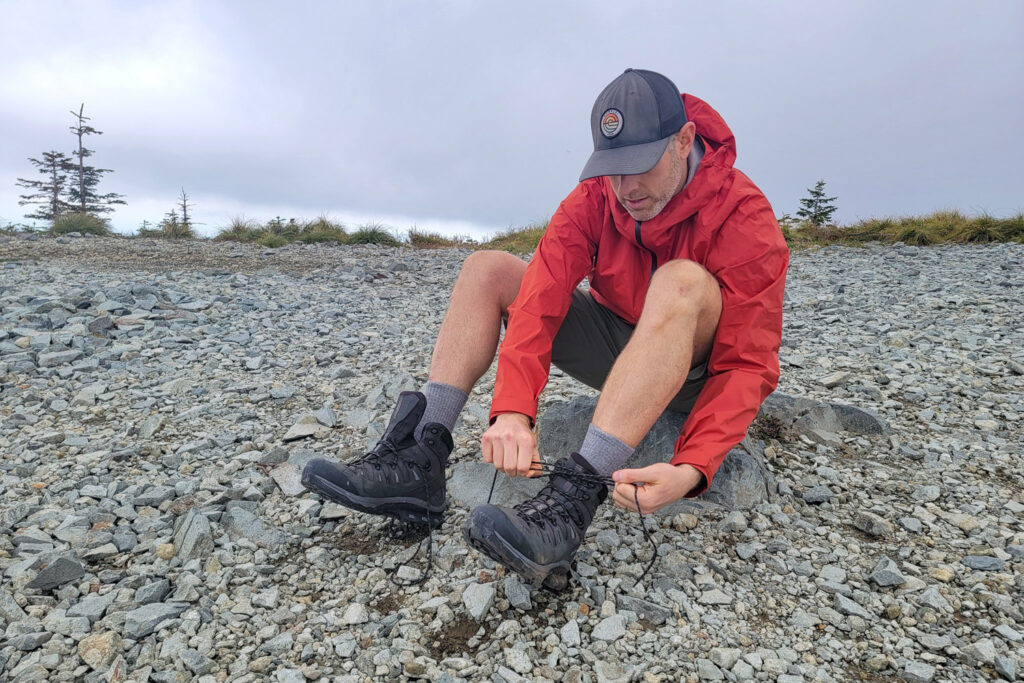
{"type": "Point", "coordinates": [663, 484]}
{"type": "Point", "coordinates": [511, 446]}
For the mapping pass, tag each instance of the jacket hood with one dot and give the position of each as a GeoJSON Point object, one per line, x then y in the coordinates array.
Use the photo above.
{"type": "Point", "coordinates": [714, 169]}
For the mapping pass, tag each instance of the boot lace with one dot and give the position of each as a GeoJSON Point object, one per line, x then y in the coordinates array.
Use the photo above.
{"type": "Point", "coordinates": [548, 504]}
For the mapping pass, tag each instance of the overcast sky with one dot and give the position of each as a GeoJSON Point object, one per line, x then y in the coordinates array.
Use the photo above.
{"type": "Point", "coordinates": [472, 117]}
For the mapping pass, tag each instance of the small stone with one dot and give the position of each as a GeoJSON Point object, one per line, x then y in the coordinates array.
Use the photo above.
{"type": "Point", "coordinates": [332, 510]}
{"type": "Point", "coordinates": [610, 629]}
{"type": "Point", "coordinates": [608, 541]}
{"type": "Point", "coordinates": [140, 622]}
{"type": "Point", "coordinates": [1006, 666]}
{"type": "Point", "coordinates": [708, 671]}
{"type": "Point", "coordinates": [165, 551]}
{"type": "Point", "coordinates": [983, 563]}
{"type": "Point", "coordinates": [818, 494]}
{"type": "Point", "coordinates": [57, 573]}
{"type": "Point", "coordinates": [151, 426]}
{"type": "Point", "coordinates": [478, 598]}
{"type": "Point", "coordinates": [517, 593]}
{"type": "Point", "coordinates": [926, 494]}
{"type": "Point", "coordinates": [943, 574]}
{"type": "Point", "coordinates": [981, 652]}
{"type": "Point", "coordinates": [886, 573]}
{"type": "Point", "coordinates": [355, 614]}
{"type": "Point", "coordinates": [911, 524]}
{"type": "Point", "coordinates": [734, 522]}
{"type": "Point", "coordinates": [872, 524]}
{"type": "Point", "coordinates": [714, 597]}
{"type": "Point", "coordinates": [152, 592]}
{"type": "Point", "coordinates": [289, 479]}
{"type": "Point", "coordinates": [725, 657]}
{"type": "Point", "coordinates": [845, 605]}
{"type": "Point", "coordinates": [933, 599]}
{"type": "Point", "coordinates": [1008, 633]}
{"type": "Point", "coordinates": [99, 649]}
{"type": "Point", "coordinates": [571, 634]}
{"type": "Point", "coordinates": [684, 521]}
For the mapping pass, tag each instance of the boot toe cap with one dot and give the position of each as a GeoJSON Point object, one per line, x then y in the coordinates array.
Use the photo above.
{"type": "Point", "coordinates": [326, 470]}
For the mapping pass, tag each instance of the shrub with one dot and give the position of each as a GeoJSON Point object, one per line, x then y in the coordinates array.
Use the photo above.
{"type": "Point", "coordinates": [322, 229]}
{"type": "Point", "coordinates": [374, 233]}
{"type": "Point", "coordinates": [517, 240]}
{"type": "Point", "coordinates": [241, 229]}
{"type": "Point", "coordinates": [80, 222]}
{"type": "Point", "coordinates": [271, 240]}
{"type": "Point", "coordinates": [421, 239]}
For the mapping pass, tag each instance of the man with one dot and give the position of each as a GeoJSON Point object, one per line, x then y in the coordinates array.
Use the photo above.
{"type": "Point", "coordinates": [686, 265]}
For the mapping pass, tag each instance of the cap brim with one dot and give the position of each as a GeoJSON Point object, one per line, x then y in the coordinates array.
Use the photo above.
{"type": "Point", "coordinates": [628, 160]}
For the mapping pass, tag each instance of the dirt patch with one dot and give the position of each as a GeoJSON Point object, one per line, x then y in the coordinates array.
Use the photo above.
{"type": "Point", "coordinates": [389, 603]}
{"type": "Point", "coordinates": [452, 641]}
{"type": "Point", "coordinates": [356, 544]}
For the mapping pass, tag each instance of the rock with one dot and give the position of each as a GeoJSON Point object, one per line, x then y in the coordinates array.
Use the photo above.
{"type": "Point", "coordinates": [152, 425]}
{"type": "Point", "coordinates": [194, 538]}
{"type": "Point", "coordinates": [845, 605]}
{"type": "Point", "coordinates": [152, 592]}
{"type": "Point", "coordinates": [57, 573]}
{"type": "Point", "coordinates": [1008, 633]}
{"type": "Point", "coordinates": [92, 606]}
{"type": "Point", "coordinates": [656, 614]}
{"type": "Point", "coordinates": [707, 671]}
{"type": "Point", "coordinates": [56, 358]}
{"type": "Point", "coordinates": [570, 634]}
{"type": "Point", "coordinates": [734, 522]}
{"type": "Point", "coordinates": [99, 649]}
{"type": "Point", "coordinates": [9, 608]}
{"type": "Point", "coordinates": [610, 629]}
{"type": "Point", "coordinates": [1006, 666]}
{"type": "Point", "coordinates": [983, 563]}
{"type": "Point", "coordinates": [934, 642]}
{"type": "Point", "coordinates": [289, 479]}
{"type": "Point", "coordinates": [818, 494]}
{"type": "Point", "coordinates": [478, 598]}
{"type": "Point", "coordinates": [240, 523]}
{"type": "Point", "coordinates": [307, 426]}
{"type": "Point", "coordinates": [517, 593]}
{"type": "Point", "coordinates": [860, 420]}
{"type": "Point", "coordinates": [886, 573]}
{"type": "Point", "coordinates": [933, 599]}
{"type": "Point", "coordinates": [982, 652]}
{"type": "Point", "coordinates": [714, 597]}
{"type": "Point", "coordinates": [872, 524]}
{"type": "Point", "coordinates": [926, 494]}
{"type": "Point", "coordinates": [918, 672]}
{"type": "Point", "coordinates": [142, 621]}
{"type": "Point", "coordinates": [740, 483]}
{"type": "Point", "coordinates": [725, 657]}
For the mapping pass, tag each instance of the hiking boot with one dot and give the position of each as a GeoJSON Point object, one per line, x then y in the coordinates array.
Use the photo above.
{"type": "Point", "coordinates": [539, 537]}
{"type": "Point", "coordinates": [402, 477]}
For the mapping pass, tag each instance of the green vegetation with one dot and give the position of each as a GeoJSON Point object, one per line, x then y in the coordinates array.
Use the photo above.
{"type": "Point", "coordinates": [375, 233]}
{"type": "Point", "coordinates": [80, 222]}
{"type": "Point", "coordinates": [519, 241]}
{"type": "Point", "coordinates": [816, 208]}
{"type": "Point", "coordinates": [941, 227]}
{"type": "Point", "coordinates": [421, 239]}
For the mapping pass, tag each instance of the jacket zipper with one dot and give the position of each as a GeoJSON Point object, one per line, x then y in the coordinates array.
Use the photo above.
{"type": "Point", "coordinates": [654, 257]}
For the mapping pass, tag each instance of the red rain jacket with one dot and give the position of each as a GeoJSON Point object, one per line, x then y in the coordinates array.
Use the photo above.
{"type": "Point", "coordinates": [722, 221]}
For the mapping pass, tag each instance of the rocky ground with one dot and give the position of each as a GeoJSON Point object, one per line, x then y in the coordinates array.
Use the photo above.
{"type": "Point", "coordinates": [152, 397]}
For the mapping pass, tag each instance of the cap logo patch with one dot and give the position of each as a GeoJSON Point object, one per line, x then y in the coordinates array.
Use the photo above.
{"type": "Point", "coordinates": [611, 123]}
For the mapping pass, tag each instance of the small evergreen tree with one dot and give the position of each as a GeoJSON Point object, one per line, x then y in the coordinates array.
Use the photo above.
{"type": "Point", "coordinates": [816, 208]}
{"type": "Point", "coordinates": [49, 194]}
{"type": "Point", "coordinates": [85, 179]}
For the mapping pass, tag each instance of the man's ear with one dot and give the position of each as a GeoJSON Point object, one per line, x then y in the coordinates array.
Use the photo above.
{"type": "Point", "coordinates": [687, 133]}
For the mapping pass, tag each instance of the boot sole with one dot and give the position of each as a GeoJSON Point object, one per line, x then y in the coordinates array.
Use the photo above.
{"type": "Point", "coordinates": [411, 510]}
{"type": "Point", "coordinates": [485, 539]}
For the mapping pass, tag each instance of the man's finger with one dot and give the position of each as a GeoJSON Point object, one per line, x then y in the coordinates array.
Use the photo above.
{"type": "Point", "coordinates": [525, 457]}
{"type": "Point", "coordinates": [627, 476]}
{"type": "Point", "coordinates": [486, 450]}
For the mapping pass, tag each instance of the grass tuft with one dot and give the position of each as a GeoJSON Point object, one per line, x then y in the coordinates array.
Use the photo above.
{"type": "Point", "coordinates": [374, 233]}
{"type": "Point", "coordinates": [517, 240]}
{"type": "Point", "coordinates": [80, 222]}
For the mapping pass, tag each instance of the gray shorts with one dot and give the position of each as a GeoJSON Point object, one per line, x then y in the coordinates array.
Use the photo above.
{"type": "Point", "coordinates": [591, 338]}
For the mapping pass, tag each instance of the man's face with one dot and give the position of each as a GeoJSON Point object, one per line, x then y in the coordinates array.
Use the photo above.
{"type": "Point", "coordinates": [644, 195]}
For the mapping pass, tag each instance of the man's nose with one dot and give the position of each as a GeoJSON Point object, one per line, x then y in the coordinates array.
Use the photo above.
{"type": "Point", "coordinates": [626, 183]}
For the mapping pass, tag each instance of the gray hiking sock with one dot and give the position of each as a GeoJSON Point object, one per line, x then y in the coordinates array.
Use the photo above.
{"type": "Point", "coordinates": [444, 403]}
{"type": "Point", "coordinates": [604, 452]}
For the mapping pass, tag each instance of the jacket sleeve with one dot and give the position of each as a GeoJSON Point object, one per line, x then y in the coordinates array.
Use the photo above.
{"type": "Point", "coordinates": [561, 260]}
{"type": "Point", "coordinates": [749, 259]}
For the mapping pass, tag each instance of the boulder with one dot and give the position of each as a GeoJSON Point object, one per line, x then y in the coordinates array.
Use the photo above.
{"type": "Point", "coordinates": [741, 482]}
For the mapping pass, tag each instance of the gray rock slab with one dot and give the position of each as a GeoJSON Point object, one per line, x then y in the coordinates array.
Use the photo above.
{"type": "Point", "coordinates": [886, 573]}
{"type": "Point", "coordinates": [194, 537]}
{"type": "Point", "coordinates": [517, 593]}
{"type": "Point", "coordinates": [240, 523]}
{"type": "Point", "coordinates": [872, 524]}
{"type": "Point", "coordinates": [289, 479]}
{"type": "Point", "coordinates": [654, 613]}
{"type": "Point", "coordinates": [983, 563]}
{"type": "Point", "coordinates": [918, 672]}
{"type": "Point", "coordinates": [59, 572]}
{"type": "Point", "coordinates": [478, 598]}
{"type": "Point", "coordinates": [152, 592]}
{"type": "Point", "coordinates": [741, 482]}
{"type": "Point", "coordinates": [10, 610]}
{"type": "Point", "coordinates": [140, 622]}
{"type": "Point", "coordinates": [610, 628]}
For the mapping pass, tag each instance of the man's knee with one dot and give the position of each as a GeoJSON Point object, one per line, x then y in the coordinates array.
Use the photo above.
{"type": "Point", "coordinates": [682, 287]}
{"type": "Point", "coordinates": [493, 271]}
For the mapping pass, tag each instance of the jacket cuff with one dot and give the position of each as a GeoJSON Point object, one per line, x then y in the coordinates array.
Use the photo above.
{"type": "Point", "coordinates": [700, 467]}
{"type": "Point", "coordinates": [511, 405]}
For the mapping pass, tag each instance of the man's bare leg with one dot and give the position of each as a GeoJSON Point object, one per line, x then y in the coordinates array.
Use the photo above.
{"type": "Point", "coordinates": [465, 346]}
{"type": "Point", "coordinates": [675, 332]}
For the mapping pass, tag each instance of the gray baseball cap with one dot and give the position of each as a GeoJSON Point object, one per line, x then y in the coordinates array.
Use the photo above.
{"type": "Point", "coordinates": [632, 121]}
